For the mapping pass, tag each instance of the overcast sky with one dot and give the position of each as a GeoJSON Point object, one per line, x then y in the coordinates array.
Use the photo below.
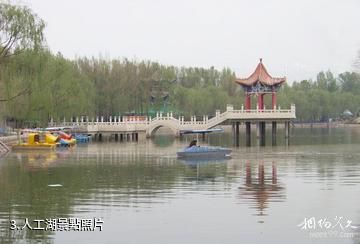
{"type": "Point", "coordinates": [296, 39]}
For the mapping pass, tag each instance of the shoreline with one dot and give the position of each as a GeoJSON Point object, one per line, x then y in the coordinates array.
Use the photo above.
{"type": "Point", "coordinates": [12, 139]}
{"type": "Point", "coordinates": [324, 125]}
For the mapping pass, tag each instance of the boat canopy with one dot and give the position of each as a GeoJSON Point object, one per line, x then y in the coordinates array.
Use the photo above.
{"type": "Point", "coordinates": [58, 128]}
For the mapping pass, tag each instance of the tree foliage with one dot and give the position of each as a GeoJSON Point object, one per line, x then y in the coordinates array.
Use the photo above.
{"type": "Point", "coordinates": [37, 85]}
{"type": "Point", "coordinates": [20, 29]}
{"type": "Point", "coordinates": [59, 88]}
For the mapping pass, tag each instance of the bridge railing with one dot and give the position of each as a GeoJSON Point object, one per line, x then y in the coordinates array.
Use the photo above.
{"type": "Point", "coordinates": [93, 123]}
{"type": "Point", "coordinates": [230, 108]}
{"type": "Point", "coordinates": [258, 113]}
{"type": "Point", "coordinates": [200, 122]}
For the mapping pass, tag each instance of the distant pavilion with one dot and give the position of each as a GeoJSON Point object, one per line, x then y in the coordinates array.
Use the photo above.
{"type": "Point", "coordinates": [259, 83]}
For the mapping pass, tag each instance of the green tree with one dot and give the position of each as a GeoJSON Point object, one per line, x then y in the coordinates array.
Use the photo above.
{"type": "Point", "coordinates": [350, 82]}
{"type": "Point", "coordinates": [332, 85]}
{"type": "Point", "coordinates": [20, 29]}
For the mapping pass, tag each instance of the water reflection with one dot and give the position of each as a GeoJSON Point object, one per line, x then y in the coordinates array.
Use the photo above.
{"type": "Point", "coordinates": [37, 160]}
{"type": "Point", "coordinates": [163, 140]}
{"type": "Point", "coordinates": [137, 185]}
{"type": "Point", "coordinates": [24, 180]}
{"type": "Point", "coordinates": [261, 186]}
{"type": "Point", "coordinates": [205, 169]}
{"type": "Point", "coordinates": [94, 177]}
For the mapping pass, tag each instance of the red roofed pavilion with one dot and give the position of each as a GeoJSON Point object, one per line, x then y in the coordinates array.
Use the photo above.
{"type": "Point", "coordinates": [259, 83]}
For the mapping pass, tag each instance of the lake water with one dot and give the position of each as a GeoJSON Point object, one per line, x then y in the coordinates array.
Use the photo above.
{"type": "Point", "coordinates": [308, 192]}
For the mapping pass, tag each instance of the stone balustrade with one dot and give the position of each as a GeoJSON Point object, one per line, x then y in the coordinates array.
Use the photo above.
{"type": "Point", "coordinates": [148, 125]}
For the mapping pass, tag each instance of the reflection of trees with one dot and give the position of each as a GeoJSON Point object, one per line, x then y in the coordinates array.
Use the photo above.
{"type": "Point", "coordinates": [330, 165]}
{"type": "Point", "coordinates": [163, 140]}
{"type": "Point", "coordinates": [258, 190]}
{"type": "Point", "coordinates": [25, 192]}
{"type": "Point", "coordinates": [104, 176]}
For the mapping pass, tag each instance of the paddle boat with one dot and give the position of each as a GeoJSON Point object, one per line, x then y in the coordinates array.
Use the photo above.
{"type": "Point", "coordinates": [43, 139]}
{"type": "Point", "coordinates": [82, 138]}
{"type": "Point", "coordinates": [37, 140]}
{"type": "Point", "coordinates": [65, 139]}
{"type": "Point", "coordinates": [203, 152]}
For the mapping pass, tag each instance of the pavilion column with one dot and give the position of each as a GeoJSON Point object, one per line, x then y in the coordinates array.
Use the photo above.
{"type": "Point", "coordinates": [233, 125]}
{"type": "Point", "coordinates": [273, 100]}
{"type": "Point", "coordinates": [262, 132]}
{"type": "Point", "coordinates": [247, 101]}
{"type": "Point", "coordinates": [274, 133]}
{"type": "Point", "coordinates": [237, 139]}
{"type": "Point", "coordinates": [287, 129]}
{"type": "Point", "coordinates": [287, 133]}
{"type": "Point", "coordinates": [261, 101]}
{"type": "Point", "coordinates": [248, 133]}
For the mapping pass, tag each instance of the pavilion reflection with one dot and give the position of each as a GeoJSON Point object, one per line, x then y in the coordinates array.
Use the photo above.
{"type": "Point", "coordinates": [260, 188]}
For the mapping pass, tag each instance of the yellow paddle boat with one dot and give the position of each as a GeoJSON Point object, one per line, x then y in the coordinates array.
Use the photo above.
{"type": "Point", "coordinates": [38, 141]}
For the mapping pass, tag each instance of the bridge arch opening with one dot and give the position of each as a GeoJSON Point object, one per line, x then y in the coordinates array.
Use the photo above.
{"type": "Point", "coordinates": [162, 130]}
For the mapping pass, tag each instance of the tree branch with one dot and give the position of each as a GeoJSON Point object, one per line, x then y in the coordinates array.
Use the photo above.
{"type": "Point", "coordinates": [25, 91]}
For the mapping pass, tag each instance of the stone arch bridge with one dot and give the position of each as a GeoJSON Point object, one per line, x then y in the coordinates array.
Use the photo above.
{"type": "Point", "coordinates": [150, 125]}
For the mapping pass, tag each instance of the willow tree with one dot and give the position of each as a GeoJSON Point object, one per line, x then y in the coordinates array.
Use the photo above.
{"type": "Point", "coordinates": [20, 29]}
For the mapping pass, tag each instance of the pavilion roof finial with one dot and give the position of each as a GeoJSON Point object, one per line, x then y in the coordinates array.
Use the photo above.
{"type": "Point", "coordinates": [260, 60]}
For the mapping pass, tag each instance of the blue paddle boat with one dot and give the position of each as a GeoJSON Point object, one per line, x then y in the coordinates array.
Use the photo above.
{"type": "Point", "coordinates": [82, 138]}
{"type": "Point", "coordinates": [204, 152]}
